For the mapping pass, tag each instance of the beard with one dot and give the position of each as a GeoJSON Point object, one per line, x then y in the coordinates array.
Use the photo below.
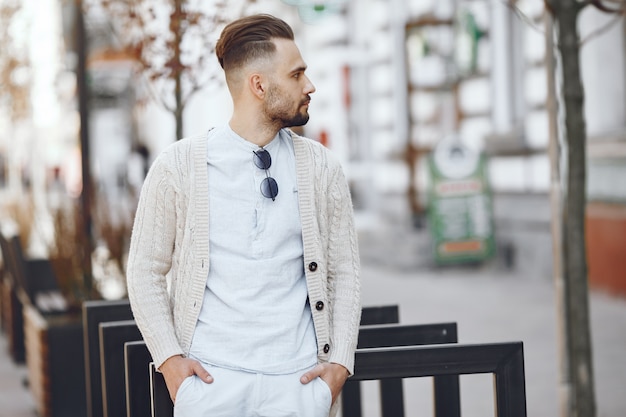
{"type": "Point", "coordinates": [283, 112]}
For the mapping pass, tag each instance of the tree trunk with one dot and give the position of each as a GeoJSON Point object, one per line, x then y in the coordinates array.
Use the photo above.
{"type": "Point", "coordinates": [581, 401]}
{"type": "Point", "coordinates": [556, 203]}
{"type": "Point", "coordinates": [83, 104]}
{"type": "Point", "coordinates": [178, 88]}
{"type": "Point", "coordinates": [178, 110]}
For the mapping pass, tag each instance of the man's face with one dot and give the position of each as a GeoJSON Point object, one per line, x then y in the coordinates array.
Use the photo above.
{"type": "Point", "coordinates": [288, 92]}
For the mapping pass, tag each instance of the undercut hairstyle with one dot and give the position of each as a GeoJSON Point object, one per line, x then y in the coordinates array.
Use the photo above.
{"type": "Point", "coordinates": [250, 38]}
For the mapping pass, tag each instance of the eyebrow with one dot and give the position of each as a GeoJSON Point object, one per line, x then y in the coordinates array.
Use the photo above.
{"type": "Point", "coordinates": [301, 68]}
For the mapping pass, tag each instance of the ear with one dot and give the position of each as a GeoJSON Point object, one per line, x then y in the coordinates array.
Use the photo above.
{"type": "Point", "coordinates": [256, 84]}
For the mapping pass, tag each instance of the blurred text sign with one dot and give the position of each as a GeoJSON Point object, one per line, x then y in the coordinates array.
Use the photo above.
{"type": "Point", "coordinates": [460, 206]}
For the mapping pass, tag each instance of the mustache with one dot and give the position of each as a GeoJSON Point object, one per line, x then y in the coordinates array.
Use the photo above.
{"type": "Point", "coordinates": [306, 100]}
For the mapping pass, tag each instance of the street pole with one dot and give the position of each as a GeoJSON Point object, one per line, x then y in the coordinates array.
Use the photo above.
{"type": "Point", "coordinates": [83, 108]}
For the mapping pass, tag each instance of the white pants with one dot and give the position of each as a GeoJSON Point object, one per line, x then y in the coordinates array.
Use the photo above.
{"type": "Point", "coordinates": [245, 394]}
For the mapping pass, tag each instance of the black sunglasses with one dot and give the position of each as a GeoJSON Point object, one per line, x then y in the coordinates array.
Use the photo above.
{"type": "Point", "coordinates": [269, 186]}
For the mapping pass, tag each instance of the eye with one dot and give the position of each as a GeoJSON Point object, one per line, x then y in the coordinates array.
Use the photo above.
{"type": "Point", "coordinates": [296, 75]}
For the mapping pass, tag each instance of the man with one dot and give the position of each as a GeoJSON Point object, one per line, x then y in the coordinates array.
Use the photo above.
{"type": "Point", "coordinates": [243, 267]}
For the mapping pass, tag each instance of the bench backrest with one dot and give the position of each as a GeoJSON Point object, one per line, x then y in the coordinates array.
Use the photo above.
{"type": "Point", "coordinates": [380, 315]}
{"type": "Point", "coordinates": [113, 336]}
{"type": "Point", "coordinates": [94, 313]}
{"type": "Point", "coordinates": [504, 360]}
{"type": "Point", "coordinates": [66, 388]}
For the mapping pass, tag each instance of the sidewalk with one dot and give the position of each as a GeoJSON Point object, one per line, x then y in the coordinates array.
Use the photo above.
{"type": "Point", "coordinates": [488, 303]}
{"type": "Point", "coordinates": [15, 399]}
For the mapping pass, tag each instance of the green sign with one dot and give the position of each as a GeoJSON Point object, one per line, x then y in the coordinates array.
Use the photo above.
{"type": "Point", "coordinates": [459, 204]}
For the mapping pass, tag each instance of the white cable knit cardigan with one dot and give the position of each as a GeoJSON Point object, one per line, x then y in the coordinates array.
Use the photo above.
{"type": "Point", "coordinates": [169, 252]}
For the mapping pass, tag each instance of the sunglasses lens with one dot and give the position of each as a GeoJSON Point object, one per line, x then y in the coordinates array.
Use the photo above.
{"type": "Point", "coordinates": [262, 159]}
{"type": "Point", "coordinates": [269, 188]}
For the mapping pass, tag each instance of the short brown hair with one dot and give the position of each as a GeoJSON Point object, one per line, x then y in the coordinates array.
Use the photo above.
{"type": "Point", "coordinates": [249, 38]}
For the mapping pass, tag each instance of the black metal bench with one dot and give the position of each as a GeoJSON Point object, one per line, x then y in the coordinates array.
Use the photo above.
{"type": "Point", "coordinates": [398, 356]}
{"type": "Point", "coordinates": [113, 336]}
{"type": "Point", "coordinates": [504, 360]}
{"type": "Point", "coordinates": [94, 313]}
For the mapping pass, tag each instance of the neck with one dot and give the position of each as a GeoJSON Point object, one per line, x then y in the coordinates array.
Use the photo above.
{"type": "Point", "coordinates": [253, 130]}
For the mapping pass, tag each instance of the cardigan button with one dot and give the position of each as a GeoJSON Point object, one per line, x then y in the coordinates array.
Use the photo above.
{"type": "Point", "coordinates": [326, 348]}
{"type": "Point", "coordinates": [313, 266]}
{"type": "Point", "coordinates": [319, 306]}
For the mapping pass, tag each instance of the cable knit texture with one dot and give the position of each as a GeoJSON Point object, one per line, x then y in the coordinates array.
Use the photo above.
{"type": "Point", "coordinates": [169, 253]}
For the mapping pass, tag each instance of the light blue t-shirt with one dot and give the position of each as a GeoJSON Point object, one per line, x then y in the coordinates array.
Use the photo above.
{"type": "Point", "coordinates": [255, 315]}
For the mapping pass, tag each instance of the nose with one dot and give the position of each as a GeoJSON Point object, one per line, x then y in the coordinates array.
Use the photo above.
{"type": "Point", "coordinates": [309, 88]}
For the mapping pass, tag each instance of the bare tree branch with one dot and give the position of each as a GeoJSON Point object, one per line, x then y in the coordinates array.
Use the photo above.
{"type": "Point", "coordinates": [600, 5]}
{"type": "Point", "coordinates": [616, 19]}
{"type": "Point", "coordinates": [554, 6]}
{"type": "Point", "coordinates": [511, 4]}
{"type": "Point", "coordinates": [620, 13]}
{"type": "Point", "coordinates": [171, 43]}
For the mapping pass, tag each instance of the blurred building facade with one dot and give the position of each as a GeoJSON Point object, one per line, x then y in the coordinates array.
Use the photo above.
{"type": "Point", "coordinates": [416, 72]}
{"type": "Point", "coordinates": [396, 77]}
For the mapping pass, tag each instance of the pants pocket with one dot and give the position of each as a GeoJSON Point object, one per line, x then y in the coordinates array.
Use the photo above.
{"type": "Point", "coordinates": [183, 388]}
{"type": "Point", "coordinates": [325, 396]}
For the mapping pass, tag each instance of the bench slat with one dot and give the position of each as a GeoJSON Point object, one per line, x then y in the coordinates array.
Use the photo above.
{"type": "Point", "coordinates": [94, 313]}
{"type": "Point", "coordinates": [136, 360]}
{"type": "Point", "coordinates": [113, 336]}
